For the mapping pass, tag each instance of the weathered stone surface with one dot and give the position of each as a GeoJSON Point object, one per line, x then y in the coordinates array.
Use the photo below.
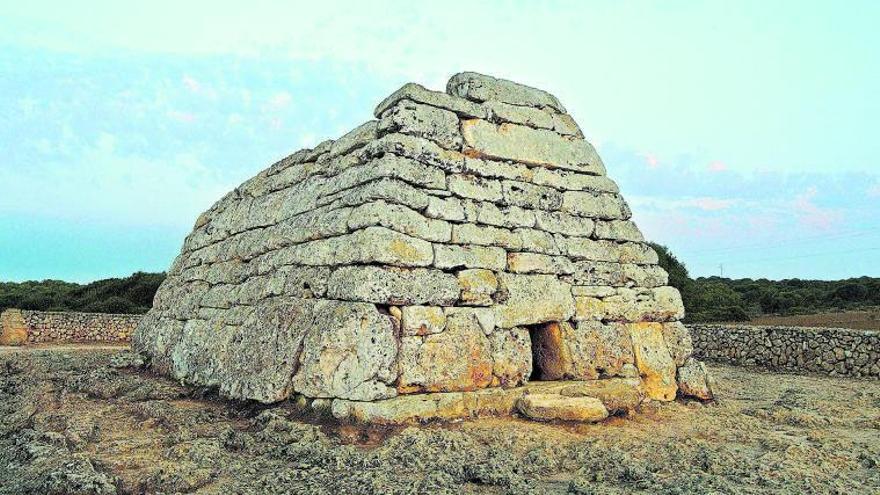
{"type": "Point", "coordinates": [349, 353]}
{"type": "Point", "coordinates": [512, 356]}
{"type": "Point", "coordinates": [418, 93]}
{"type": "Point", "coordinates": [530, 146]}
{"type": "Point", "coordinates": [445, 208]}
{"type": "Point", "coordinates": [400, 219]}
{"type": "Point", "coordinates": [503, 216]}
{"type": "Point", "coordinates": [428, 251]}
{"type": "Point", "coordinates": [356, 138]}
{"type": "Point", "coordinates": [531, 196]}
{"type": "Point", "coordinates": [436, 124]}
{"type": "Point", "coordinates": [459, 358]}
{"type": "Point", "coordinates": [264, 352]}
{"type": "Point", "coordinates": [403, 409]}
{"type": "Point", "coordinates": [585, 352]}
{"type": "Point", "coordinates": [447, 256]}
{"type": "Point", "coordinates": [500, 112]}
{"type": "Point", "coordinates": [475, 187]}
{"type": "Point", "coordinates": [597, 206]}
{"type": "Point", "coordinates": [13, 330]}
{"type": "Point", "coordinates": [695, 381]}
{"type": "Point", "coordinates": [538, 263]}
{"type": "Point", "coordinates": [658, 304]}
{"type": "Point", "coordinates": [618, 395]}
{"type": "Point", "coordinates": [531, 299]}
{"type": "Point", "coordinates": [422, 320]}
{"type": "Point", "coordinates": [678, 341]}
{"type": "Point", "coordinates": [477, 286]}
{"type": "Point", "coordinates": [619, 230]}
{"type": "Point", "coordinates": [468, 233]}
{"type": "Point", "coordinates": [653, 361]}
{"type": "Point", "coordinates": [563, 223]}
{"type": "Point", "coordinates": [389, 285]}
{"type": "Point", "coordinates": [480, 87]}
{"type": "Point", "coordinates": [388, 166]}
{"type": "Point", "coordinates": [370, 245]}
{"type": "Point", "coordinates": [550, 407]}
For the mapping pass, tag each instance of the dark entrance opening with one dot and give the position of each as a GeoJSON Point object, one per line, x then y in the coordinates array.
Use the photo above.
{"type": "Point", "coordinates": [547, 358]}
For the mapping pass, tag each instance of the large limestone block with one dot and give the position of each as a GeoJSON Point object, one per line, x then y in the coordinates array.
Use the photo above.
{"type": "Point", "coordinates": [477, 286]}
{"type": "Point", "coordinates": [678, 341]}
{"type": "Point", "coordinates": [617, 394]}
{"type": "Point", "coordinates": [602, 206]}
{"type": "Point", "coordinates": [418, 93]}
{"type": "Point", "coordinates": [475, 187]}
{"type": "Point", "coordinates": [402, 409]}
{"type": "Point", "coordinates": [450, 256]}
{"type": "Point", "coordinates": [530, 146]}
{"type": "Point", "coordinates": [199, 355]}
{"type": "Point", "coordinates": [385, 189]}
{"type": "Point", "coordinates": [533, 117]}
{"type": "Point", "coordinates": [531, 196]}
{"type": "Point", "coordinates": [459, 358]}
{"type": "Point", "coordinates": [563, 223]}
{"type": "Point", "coordinates": [13, 330]}
{"type": "Point", "coordinates": [422, 320]}
{"type": "Point", "coordinates": [356, 138]}
{"type": "Point", "coordinates": [538, 263]}
{"type": "Point", "coordinates": [695, 381]}
{"type": "Point", "coordinates": [154, 339]}
{"type": "Point", "coordinates": [653, 361]}
{"type": "Point", "coordinates": [550, 407]}
{"type": "Point", "coordinates": [512, 356]}
{"type": "Point", "coordinates": [390, 285]}
{"type": "Point", "coordinates": [264, 352]}
{"type": "Point", "coordinates": [617, 274]}
{"type": "Point", "coordinates": [658, 304]}
{"type": "Point", "coordinates": [349, 352]}
{"type": "Point", "coordinates": [370, 245]}
{"type": "Point", "coordinates": [400, 219]}
{"type": "Point", "coordinates": [480, 87]}
{"type": "Point", "coordinates": [532, 299]}
{"type": "Point", "coordinates": [436, 124]}
{"type": "Point", "coordinates": [390, 166]}
{"type": "Point", "coordinates": [619, 230]}
{"type": "Point", "coordinates": [598, 349]}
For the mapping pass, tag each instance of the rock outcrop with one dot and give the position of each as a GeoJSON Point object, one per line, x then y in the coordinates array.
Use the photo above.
{"type": "Point", "coordinates": [461, 241]}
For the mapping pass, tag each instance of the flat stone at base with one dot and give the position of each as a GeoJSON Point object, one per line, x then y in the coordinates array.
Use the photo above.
{"type": "Point", "coordinates": [548, 407]}
{"type": "Point", "coordinates": [611, 394]}
{"type": "Point", "coordinates": [616, 394]}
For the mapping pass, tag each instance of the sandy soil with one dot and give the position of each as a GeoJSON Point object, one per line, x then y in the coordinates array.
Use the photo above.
{"type": "Point", "coordinates": [860, 320]}
{"type": "Point", "coordinates": [84, 420]}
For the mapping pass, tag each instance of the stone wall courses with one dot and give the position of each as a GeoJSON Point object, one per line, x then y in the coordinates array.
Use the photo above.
{"type": "Point", "coordinates": [833, 351]}
{"type": "Point", "coordinates": [42, 327]}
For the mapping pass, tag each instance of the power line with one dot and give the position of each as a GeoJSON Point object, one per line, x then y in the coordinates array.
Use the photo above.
{"type": "Point", "coordinates": [721, 250]}
{"type": "Point", "coordinates": [811, 255]}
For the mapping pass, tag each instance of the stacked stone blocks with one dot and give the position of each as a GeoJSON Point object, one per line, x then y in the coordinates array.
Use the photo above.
{"type": "Point", "coordinates": [431, 250]}
{"type": "Point", "coordinates": [40, 327]}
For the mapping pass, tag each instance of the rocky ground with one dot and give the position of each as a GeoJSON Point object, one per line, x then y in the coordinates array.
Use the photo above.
{"type": "Point", "coordinates": [83, 420]}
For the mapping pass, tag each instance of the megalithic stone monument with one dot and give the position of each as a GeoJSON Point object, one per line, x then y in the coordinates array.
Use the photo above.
{"type": "Point", "coordinates": [461, 251]}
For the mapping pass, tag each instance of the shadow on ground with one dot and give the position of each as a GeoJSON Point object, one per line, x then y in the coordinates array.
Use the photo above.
{"type": "Point", "coordinates": [90, 421]}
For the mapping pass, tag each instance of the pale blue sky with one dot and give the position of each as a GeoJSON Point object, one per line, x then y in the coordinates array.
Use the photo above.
{"type": "Point", "coordinates": [742, 133]}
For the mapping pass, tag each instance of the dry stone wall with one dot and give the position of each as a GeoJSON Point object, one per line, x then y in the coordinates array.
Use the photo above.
{"type": "Point", "coordinates": [45, 326]}
{"type": "Point", "coordinates": [428, 250]}
{"type": "Point", "coordinates": [835, 351]}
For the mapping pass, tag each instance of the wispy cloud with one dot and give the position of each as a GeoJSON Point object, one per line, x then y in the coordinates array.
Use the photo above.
{"type": "Point", "coordinates": [813, 215]}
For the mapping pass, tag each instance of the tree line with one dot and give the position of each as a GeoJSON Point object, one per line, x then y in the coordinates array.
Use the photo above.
{"type": "Point", "coordinates": [132, 294]}
{"type": "Point", "coordinates": [724, 299]}
{"type": "Point", "coordinates": [705, 298]}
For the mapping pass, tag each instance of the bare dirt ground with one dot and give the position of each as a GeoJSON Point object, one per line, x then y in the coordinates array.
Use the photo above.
{"type": "Point", "coordinates": [83, 420]}
{"type": "Point", "coordinates": [860, 320]}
